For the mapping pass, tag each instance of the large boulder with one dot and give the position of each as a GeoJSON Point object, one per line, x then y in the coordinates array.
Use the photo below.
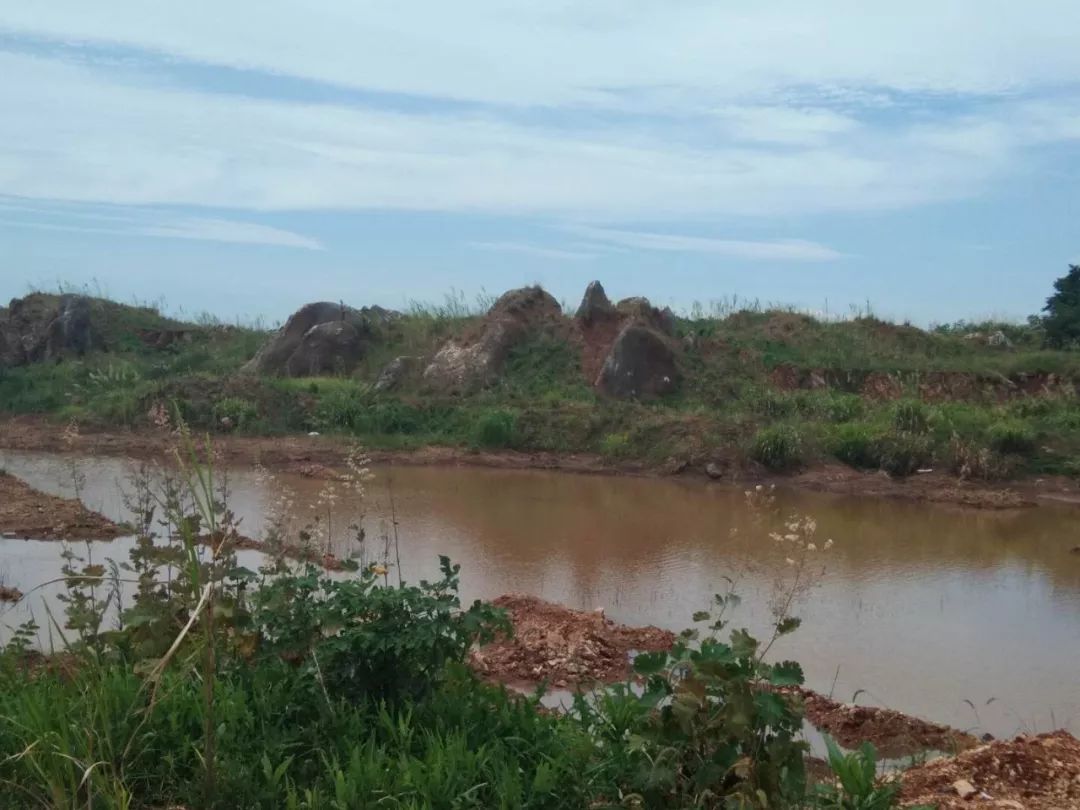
{"type": "Point", "coordinates": [595, 305]}
{"type": "Point", "coordinates": [476, 361]}
{"type": "Point", "coordinates": [641, 364]}
{"type": "Point", "coordinates": [320, 338]}
{"type": "Point", "coordinates": [43, 327]}
{"type": "Point", "coordinates": [334, 347]}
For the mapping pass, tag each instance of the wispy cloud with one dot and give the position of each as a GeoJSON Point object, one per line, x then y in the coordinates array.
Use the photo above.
{"type": "Point", "coordinates": [151, 224]}
{"type": "Point", "coordinates": [533, 250]}
{"type": "Point", "coordinates": [772, 250]}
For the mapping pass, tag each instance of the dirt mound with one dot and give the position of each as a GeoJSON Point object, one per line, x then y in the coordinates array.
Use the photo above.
{"type": "Point", "coordinates": [563, 647]}
{"type": "Point", "coordinates": [1026, 773]}
{"type": "Point", "coordinates": [27, 513]}
{"type": "Point", "coordinates": [892, 733]}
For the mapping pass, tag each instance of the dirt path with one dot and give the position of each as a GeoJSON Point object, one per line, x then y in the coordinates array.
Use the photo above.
{"type": "Point", "coordinates": [299, 453]}
{"type": "Point", "coordinates": [27, 513]}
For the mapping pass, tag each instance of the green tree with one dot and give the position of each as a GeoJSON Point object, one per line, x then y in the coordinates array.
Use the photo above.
{"type": "Point", "coordinates": [1062, 310]}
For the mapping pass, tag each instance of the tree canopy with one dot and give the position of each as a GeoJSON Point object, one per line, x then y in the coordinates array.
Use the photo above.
{"type": "Point", "coordinates": [1062, 310]}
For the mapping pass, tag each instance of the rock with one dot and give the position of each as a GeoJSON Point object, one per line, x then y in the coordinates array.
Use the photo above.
{"type": "Point", "coordinates": [639, 310]}
{"type": "Point", "coordinates": [474, 363]}
{"type": "Point", "coordinates": [394, 372]}
{"type": "Point", "coordinates": [327, 348]}
{"type": "Point", "coordinates": [594, 304]}
{"type": "Point", "coordinates": [999, 339]}
{"type": "Point", "coordinates": [641, 364]}
{"type": "Point", "coordinates": [964, 789]}
{"type": "Point", "coordinates": [44, 327]}
{"type": "Point", "coordinates": [1074, 550]}
{"type": "Point", "coordinates": [714, 470]}
{"type": "Point", "coordinates": [1008, 804]}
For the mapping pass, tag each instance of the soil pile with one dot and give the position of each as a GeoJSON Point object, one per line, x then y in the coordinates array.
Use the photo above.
{"type": "Point", "coordinates": [563, 647]}
{"type": "Point", "coordinates": [893, 734]}
{"type": "Point", "coordinates": [27, 513]}
{"type": "Point", "coordinates": [1026, 773]}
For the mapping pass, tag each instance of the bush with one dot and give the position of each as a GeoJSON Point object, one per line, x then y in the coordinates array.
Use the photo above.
{"type": "Point", "coordinates": [910, 416]}
{"type": "Point", "coordinates": [969, 459]}
{"type": "Point", "coordinates": [779, 447]}
{"type": "Point", "coordinates": [843, 407]}
{"type": "Point", "coordinates": [239, 411]}
{"type": "Point", "coordinates": [495, 430]}
{"type": "Point", "coordinates": [340, 407]}
{"type": "Point", "coordinates": [615, 445]}
{"type": "Point", "coordinates": [856, 445]}
{"type": "Point", "coordinates": [1011, 436]}
{"type": "Point", "coordinates": [902, 453]}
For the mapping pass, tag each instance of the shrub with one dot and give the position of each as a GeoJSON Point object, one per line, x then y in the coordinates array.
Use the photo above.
{"type": "Point", "coordinates": [910, 416]}
{"type": "Point", "coordinates": [495, 429]}
{"type": "Point", "coordinates": [855, 444]}
{"type": "Point", "coordinates": [615, 445]}
{"type": "Point", "coordinates": [902, 453]}
{"type": "Point", "coordinates": [969, 459]}
{"type": "Point", "coordinates": [239, 411]}
{"type": "Point", "coordinates": [779, 447]}
{"type": "Point", "coordinates": [843, 407]}
{"type": "Point", "coordinates": [1011, 436]}
{"type": "Point", "coordinates": [341, 408]}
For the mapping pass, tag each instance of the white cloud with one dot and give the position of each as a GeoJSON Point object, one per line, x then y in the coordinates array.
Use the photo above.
{"type": "Point", "coordinates": [76, 133]}
{"type": "Point", "coordinates": [533, 250]}
{"type": "Point", "coordinates": [776, 250]}
{"type": "Point", "coordinates": [224, 230]}
{"type": "Point", "coordinates": [540, 52]}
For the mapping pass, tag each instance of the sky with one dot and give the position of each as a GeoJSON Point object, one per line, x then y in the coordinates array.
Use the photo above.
{"type": "Point", "coordinates": [920, 159]}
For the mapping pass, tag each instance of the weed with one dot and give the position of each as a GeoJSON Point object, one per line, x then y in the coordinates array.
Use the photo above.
{"type": "Point", "coordinates": [495, 430]}
{"type": "Point", "coordinates": [779, 447]}
{"type": "Point", "coordinates": [1011, 436]}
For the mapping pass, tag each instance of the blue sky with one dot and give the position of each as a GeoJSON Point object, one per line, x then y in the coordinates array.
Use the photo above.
{"type": "Point", "coordinates": [246, 157]}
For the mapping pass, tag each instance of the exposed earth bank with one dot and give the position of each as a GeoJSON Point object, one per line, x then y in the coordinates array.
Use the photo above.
{"type": "Point", "coordinates": [304, 453]}
{"type": "Point", "coordinates": [26, 512]}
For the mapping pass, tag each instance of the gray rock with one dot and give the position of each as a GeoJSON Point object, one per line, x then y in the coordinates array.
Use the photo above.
{"type": "Point", "coordinates": [46, 327]}
{"type": "Point", "coordinates": [640, 365]}
{"type": "Point", "coordinates": [594, 304]}
{"type": "Point", "coordinates": [467, 365]}
{"type": "Point", "coordinates": [394, 372]}
{"type": "Point", "coordinates": [335, 347]}
{"type": "Point", "coordinates": [999, 339]}
{"type": "Point", "coordinates": [714, 470]}
{"type": "Point", "coordinates": [326, 349]}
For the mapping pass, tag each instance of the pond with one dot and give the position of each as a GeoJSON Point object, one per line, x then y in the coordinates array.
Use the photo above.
{"type": "Point", "coordinates": [970, 618]}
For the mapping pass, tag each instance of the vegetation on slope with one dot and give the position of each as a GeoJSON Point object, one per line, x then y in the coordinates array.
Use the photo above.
{"type": "Point", "coordinates": [770, 387]}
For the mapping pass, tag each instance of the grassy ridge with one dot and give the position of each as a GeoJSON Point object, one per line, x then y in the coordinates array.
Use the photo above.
{"type": "Point", "coordinates": [741, 402]}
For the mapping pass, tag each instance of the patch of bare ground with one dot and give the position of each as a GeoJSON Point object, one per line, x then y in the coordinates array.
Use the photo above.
{"type": "Point", "coordinates": [27, 513]}
{"type": "Point", "coordinates": [1025, 773]}
{"type": "Point", "coordinates": [892, 733]}
{"type": "Point", "coordinates": [562, 647]}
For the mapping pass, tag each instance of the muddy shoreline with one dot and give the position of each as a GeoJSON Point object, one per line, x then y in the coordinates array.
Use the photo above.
{"type": "Point", "coordinates": [305, 453]}
{"type": "Point", "coordinates": [28, 513]}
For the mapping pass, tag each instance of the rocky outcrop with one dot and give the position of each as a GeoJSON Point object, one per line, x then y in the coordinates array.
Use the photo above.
{"type": "Point", "coordinates": [595, 305]}
{"type": "Point", "coordinates": [44, 327]}
{"type": "Point", "coordinates": [394, 373]}
{"type": "Point", "coordinates": [641, 310]}
{"type": "Point", "coordinates": [320, 338]}
{"type": "Point", "coordinates": [475, 361]}
{"type": "Point", "coordinates": [641, 364]}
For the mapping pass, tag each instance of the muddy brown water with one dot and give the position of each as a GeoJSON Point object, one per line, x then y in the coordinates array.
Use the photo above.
{"type": "Point", "coordinates": [970, 618]}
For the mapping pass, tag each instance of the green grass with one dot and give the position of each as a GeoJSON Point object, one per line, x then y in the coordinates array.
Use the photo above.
{"type": "Point", "coordinates": [740, 366]}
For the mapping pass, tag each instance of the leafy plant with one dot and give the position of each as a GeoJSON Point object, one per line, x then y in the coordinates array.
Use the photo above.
{"type": "Point", "coordinates": [1011, 436]}
{"type": "Point", "coordinates": [779, 447]}
{"type": "Point", "coordinates": [858, 786]}
{"type": "Point", "coordinates": [495, 429]}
